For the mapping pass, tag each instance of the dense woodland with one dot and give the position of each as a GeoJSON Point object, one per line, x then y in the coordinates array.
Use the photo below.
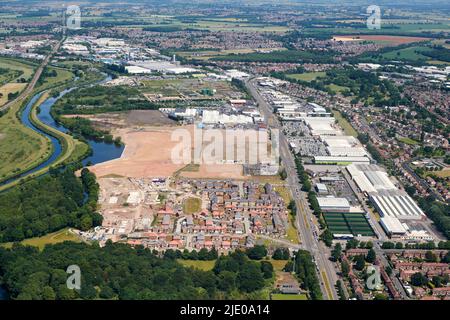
{"type": "Point", "coordinates": [99, 99]}
{"type": "Point", "coordinates": [48, 204]}
{"type": "Point", "coordinates": [119, 271]}
{"type": "Point", "coordinates": [286, 56]}
{"type": "Point", "coordinates": [362, 86]}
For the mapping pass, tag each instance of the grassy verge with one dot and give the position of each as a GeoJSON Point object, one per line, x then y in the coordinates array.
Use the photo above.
{"type": "Point", "coordinates": [348, 129]}
{"type": "Point", "coordinates": [280, 296]}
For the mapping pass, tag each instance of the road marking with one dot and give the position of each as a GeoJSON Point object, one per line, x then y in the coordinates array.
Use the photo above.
{"type": "Point", "coordinates": [327, 285]}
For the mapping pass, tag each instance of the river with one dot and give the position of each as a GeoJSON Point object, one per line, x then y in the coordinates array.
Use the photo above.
{"type": "Point", "coordinates": [3, 294]}
{"type": "Point", "coordinates": [101, 151]}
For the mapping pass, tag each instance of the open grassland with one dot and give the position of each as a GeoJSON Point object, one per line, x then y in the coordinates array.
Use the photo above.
{"type": "Point", "coordinates": [278, 265]}
{"type": "Point", "coordinates": [198, 264]}
{"type": "Point", "coordinates": [348, 129]}
{"type": "Point", "coordinates": [22, 148]}
{"type": "Point", "coordinates": [8, 88]}
{"type": "Point", "coordinates": [51, 238]}
{"type": "Point", "coordinates": [26, 69]}
{"type": "Point", "coordinates": [308, 76]}
{"type": "Point", "coordinates": [208, 54]}
{"type": "Point", "coordinates": [62, 76]}
{"type": "Point", "coordinates": [25, 149]}
{"type": "Point", "coordinates": [442, 173]}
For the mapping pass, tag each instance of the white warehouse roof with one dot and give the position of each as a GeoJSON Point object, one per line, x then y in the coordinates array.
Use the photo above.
{"type": "Point", "coordinates": [396, 204]}
{"type": "Point", "coordinates": [329, 202]}
{"type": "Point", "coordinates": [392, 226]}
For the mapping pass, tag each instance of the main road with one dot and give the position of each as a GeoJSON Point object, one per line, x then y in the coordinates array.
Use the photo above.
{"type": "Point", "coordinates": [24, 95]}
{"type": "Point", "coordinates": [304, 218]}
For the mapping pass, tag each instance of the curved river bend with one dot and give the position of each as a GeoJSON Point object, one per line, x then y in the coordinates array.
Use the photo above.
{"type": "Point", "coordinates": [101, 151]}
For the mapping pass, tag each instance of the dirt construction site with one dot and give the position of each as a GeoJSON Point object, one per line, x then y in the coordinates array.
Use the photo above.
{"type": "Point", "coordinates": [148, 153]}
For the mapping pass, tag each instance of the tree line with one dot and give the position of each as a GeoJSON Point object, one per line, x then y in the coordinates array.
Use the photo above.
{"type": "Point", "coordinates": [119, 271]}
{"type": "Point", "coordinates": [48, 204]}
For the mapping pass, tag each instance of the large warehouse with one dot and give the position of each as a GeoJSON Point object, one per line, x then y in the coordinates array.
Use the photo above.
{"type": "Point", "coordinates": [370, 177]}
{"type": "Point", "coordinates": [329, 204]}
{"type": "Point", "coordinates": [396, 204]}
{"type": "Point", "coordinates": [393, 205]}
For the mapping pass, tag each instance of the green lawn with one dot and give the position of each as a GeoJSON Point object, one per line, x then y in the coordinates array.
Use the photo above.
{"type": "Point", "coordinates": [308, 76]}
{"type": "Point", "coordinates": [336, 88]}
{"type": "Point", "coordinates": [409, 141]}
{"type": "Point", "coordinates": [198, 264]}
{"type": "Point", "coordinates": [192, 205]}
{"type": "Point", "coordinates": [409, 54]}
{"type": "Point", "coordinates": [51, 238]}
{"type": "Point", "coordinates": [278, 265]}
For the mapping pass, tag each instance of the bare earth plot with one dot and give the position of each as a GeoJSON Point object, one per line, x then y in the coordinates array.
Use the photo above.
{"type": "Point", "coordinates": [148, 153]}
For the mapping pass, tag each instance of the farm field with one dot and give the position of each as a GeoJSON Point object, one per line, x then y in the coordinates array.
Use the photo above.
{"type": "Point", "coordinates": [410, 54]}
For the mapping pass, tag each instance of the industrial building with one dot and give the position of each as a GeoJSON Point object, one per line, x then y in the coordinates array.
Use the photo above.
{"type": "Point", "coordinates": [322, 126]}
{"type": "Point", "coordinates": [331, 204]}
{"type": "Point", "coordinates": [370, 177]}
{"type": "Point", "coordinates": [215, 117]}
{"type": "Point", "coordinates": [396, 204]}
{"type": "Point", "coordinates": [321, 188]}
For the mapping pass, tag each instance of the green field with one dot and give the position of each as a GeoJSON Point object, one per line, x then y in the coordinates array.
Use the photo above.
{"type": "Point", "coordinates": [192, 205]}
{"type": "Point", "coordinates": [51, 238]}
{"type": "Point", "coordinates": [308, 76]}
{"type": "Point", "coordinates": [335, 88]}
{"type": "Point", "coordinates": [198, 264]}
{"type": "Point", "coordinates": [408, 54]}
{"type": "Point", "coordinates": [24, 68]}
{"type": "Point", "coordinates": [408, 141]}
{"type": "Point", "coordinates": [348, 223]}
{"type": "Point", "coordinates": [280, 296]}
{"type": "Point", "coordinates": [348, 129]}
{"type": "Point", "coordinates": [23, 148]}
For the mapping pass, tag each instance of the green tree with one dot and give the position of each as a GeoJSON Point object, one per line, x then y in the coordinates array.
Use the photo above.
{"type": "Point", "coordinates": [257, 252]}
{"type": "Point", "coordinates": [267, 269]}
{"type": "Point", "coordinates": [371, 256]}
{"type": "Point", "coordinates": [418, 279]}
{"type": "Point", "coordinates": [360, 262]}
{"type": "Point", "coordinates": [337, 251]}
